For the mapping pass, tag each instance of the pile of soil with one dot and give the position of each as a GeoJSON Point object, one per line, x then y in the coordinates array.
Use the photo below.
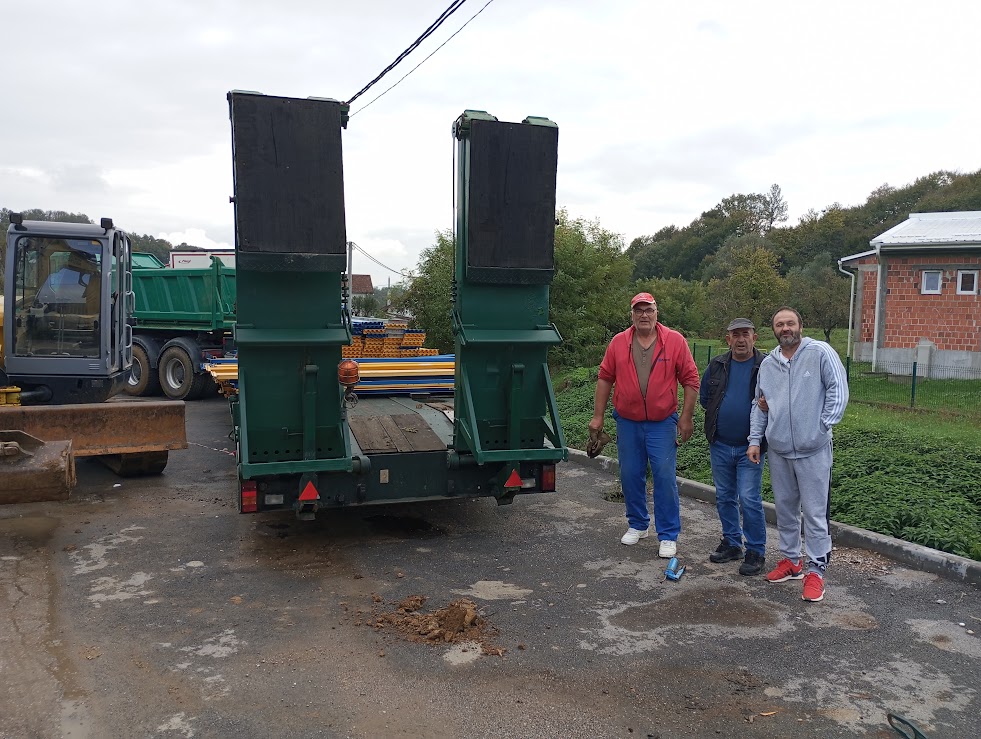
{"type": "Point", "coordinates": [457, 622]}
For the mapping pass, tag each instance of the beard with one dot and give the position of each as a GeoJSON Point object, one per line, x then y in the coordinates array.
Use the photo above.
{"type": "Point", "coordinates": [791, 339]}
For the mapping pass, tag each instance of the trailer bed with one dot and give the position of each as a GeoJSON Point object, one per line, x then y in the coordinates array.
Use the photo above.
{"type": "Point", "coordinates": [381, 425]}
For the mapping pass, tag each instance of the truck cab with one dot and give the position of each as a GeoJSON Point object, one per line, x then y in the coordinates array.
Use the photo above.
{"type": "Point", "coordinates": [67, 294]}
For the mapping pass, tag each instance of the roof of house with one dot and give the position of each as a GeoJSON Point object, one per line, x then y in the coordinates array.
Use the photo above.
{"type": "Point", "coordinates": [856, 257]}
{"type": "Point", "coordinates": [361, 285]}
{"type": "Point", "coordinates": [957, 229]}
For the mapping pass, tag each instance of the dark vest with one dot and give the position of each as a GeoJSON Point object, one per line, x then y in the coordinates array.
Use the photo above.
{"type": "Point", "coordinates": [718, 380]}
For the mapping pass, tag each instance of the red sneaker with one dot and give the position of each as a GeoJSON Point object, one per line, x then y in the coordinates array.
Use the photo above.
{"type": "Point", "coordinates": [813, 587]}
{"type": "Point", "coordinates": [786, 570]}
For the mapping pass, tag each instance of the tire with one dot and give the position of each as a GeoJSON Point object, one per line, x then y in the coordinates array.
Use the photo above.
{"type": "Point", "coordinates": [143, 379]}
{"type": "Point", "coordinates": [177, 377]}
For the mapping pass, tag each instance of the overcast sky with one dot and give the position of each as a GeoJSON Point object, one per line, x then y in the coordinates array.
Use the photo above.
{"type": "Point", "coordinates": [117, 108]}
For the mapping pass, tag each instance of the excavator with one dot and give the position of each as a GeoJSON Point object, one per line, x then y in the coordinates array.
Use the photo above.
{"type": "Point", "coordinates": [66, 351]}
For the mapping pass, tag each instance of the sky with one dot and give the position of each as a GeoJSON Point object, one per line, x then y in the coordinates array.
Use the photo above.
{"type": "Point", "coordinates": [118, 108]}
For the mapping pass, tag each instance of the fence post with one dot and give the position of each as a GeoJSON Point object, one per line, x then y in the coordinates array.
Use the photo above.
{"type": "Point", "coordinates": [848, 370]}
{"type": "Point", "coordinates": [709, 359]}
{"type": "Point", "coordinates": [912, 393]}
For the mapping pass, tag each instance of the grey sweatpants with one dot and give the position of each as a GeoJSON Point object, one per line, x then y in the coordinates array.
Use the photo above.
{"type": "Point", "coordinates": [803, 485]}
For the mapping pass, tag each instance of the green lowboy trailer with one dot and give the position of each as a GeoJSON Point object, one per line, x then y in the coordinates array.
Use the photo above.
{"type": "Point", "coordinates": [303, 442]}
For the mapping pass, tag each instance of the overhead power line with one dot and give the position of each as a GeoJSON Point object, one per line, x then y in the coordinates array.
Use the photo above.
{"type": "Point", "coordinates": [424, 60]}
{"type": "Point", "coordinates": [407, 275]}
{"type": "Point", "coordinates": [453, 7]}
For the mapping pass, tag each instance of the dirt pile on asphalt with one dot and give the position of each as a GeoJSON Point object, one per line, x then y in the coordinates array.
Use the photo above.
{"type": "Point", "coordinates": [457, 622]}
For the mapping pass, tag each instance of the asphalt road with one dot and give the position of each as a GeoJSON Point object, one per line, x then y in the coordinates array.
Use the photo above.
{"type": "Point", "coordinates": [151, 608]}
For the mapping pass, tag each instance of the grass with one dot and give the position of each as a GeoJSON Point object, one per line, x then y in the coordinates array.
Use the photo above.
{"type": "Point", "coordinates": [909, 474]}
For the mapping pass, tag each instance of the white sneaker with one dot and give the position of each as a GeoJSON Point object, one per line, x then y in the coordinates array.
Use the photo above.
{"type": "Point", "coordinates": [633, 536]}
{"type": "Point", "coordinates": [667, 549]}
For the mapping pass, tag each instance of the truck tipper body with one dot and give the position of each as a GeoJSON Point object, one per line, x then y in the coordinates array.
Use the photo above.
{"type": "Point", "coordinates": [182, 319]}
{"type": "Point", "coordinates": [304, 441]}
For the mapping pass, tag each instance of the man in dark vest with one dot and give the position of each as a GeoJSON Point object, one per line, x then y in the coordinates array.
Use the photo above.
{"type": "Point", "coordinates": [726, 393]}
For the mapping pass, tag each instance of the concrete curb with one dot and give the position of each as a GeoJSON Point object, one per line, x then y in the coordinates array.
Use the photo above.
{"type": "Point", "coordinates": [913, 555]}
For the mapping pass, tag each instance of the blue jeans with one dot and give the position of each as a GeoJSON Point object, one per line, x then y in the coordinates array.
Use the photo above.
{"type": "Point", "coordinates": [737, 486]}
{"type": "Point", "coordinates": [640, 443]}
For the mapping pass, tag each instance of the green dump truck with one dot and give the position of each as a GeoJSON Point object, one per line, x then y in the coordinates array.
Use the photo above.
{"type": "Point", "coordinates": [182, 319]}
{"type": "Point", "coordinates": [303, 442]}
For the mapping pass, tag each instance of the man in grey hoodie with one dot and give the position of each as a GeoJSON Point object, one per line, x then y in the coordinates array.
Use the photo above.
{"type": "Point", "coordinates": [801, 393]}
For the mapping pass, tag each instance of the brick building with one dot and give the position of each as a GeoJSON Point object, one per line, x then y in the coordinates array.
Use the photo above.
{"type": "Point", "coordinates": [915, 296]}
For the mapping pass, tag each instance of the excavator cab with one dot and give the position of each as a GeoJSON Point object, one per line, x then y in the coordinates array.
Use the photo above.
{"type": "Point", "coordinates": [67, 295]}
{"type": "Point", "coordinates": [67, 346]}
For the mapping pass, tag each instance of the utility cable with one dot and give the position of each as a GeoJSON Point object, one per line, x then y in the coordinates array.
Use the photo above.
{"type": "Point", "coordinates": [383, 266]}
{"type": "Point", "coordinates": [423, 61]}
{"type": "Point", "coordinates": [450, 10]}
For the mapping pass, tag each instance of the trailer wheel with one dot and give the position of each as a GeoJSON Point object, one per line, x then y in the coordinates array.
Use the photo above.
{"type": "Point", "coordinates": [143, 379]}
{"type": "Point", "coordinates": [177, 377]}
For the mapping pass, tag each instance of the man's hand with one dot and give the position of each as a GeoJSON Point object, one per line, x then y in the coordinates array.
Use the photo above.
{"type": "Point", "coordinates": [686, 427]}
{"type": "Point", "coordinates": [753, 452]}
{"type": "Point", "coordinates": [762, 404]}
{"type": "Point", "coordinates": [596, 424]}
{"type": "Point", "coordinates": [597, 440]}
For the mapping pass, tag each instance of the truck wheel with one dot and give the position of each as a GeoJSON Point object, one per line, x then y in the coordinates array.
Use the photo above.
{"type": "Point", "coordinates": [143, 380]}
{"type": "Point", "coordinates": [177, 377]}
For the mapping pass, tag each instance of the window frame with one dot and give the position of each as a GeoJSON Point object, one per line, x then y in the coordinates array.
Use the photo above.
{"type": "Point", "coordinates": [923, 281]}
{"type": "Point", "coordinates": [962, 272]}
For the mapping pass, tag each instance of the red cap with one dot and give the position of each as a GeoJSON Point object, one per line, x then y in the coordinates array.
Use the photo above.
{"type": "Point", "coordinates": [642, 298]}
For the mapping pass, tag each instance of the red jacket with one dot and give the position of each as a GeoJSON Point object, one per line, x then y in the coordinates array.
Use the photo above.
{"type": "Point", "coordinates": [673, 364]}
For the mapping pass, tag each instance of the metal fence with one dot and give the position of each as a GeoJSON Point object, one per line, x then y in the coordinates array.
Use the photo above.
{"type": "Point", "coordinates": [939, 388]}
{"type": "Point", "coordinates": [954, 390]}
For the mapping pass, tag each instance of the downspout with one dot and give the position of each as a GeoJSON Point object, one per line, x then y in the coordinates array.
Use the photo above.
{"type": "Point", "coordinates": [851, 308]}
{"type": "Point", "coordinates": [878, 308]}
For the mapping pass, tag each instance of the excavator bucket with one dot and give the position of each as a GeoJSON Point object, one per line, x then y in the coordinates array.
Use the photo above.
{"type": "Point", "coordinates": [39, 443]}
{"type": "Point", "coordinates": [97, 429]}
{"type": "Point", "coordinates": [32, 470]}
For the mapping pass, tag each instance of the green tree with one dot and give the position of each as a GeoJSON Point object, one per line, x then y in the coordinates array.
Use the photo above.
{"type": "Point", "coordinates": [365, 305]}
{"type": "Point", "coordinates": [751, 288]}
{"type": "Point", "coordinates": [820, 292]}
{"type": "Point", "coordinates": [426, 298]}
{"type": "Point", "coordinates": [590, 294]}
{"type": "Point", "coordinates": [681, 304]}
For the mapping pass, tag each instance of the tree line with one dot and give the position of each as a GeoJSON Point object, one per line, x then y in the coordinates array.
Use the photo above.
{"type": "Point", "coordinates": [734, 259]}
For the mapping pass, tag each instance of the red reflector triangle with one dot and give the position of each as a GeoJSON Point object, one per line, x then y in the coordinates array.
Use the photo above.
{"type": "Point", "coordinates": [309, 492]}
{"type": "Point", "coordinates": [514, 481]}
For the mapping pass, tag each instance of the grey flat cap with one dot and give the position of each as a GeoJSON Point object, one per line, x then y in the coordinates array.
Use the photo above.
{"type": "Point", "coordinates": [740, 323]}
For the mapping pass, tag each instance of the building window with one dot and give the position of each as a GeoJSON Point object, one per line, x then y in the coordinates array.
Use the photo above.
{"type": "Point", "coordinates": [932, 279]}
{"type": "Point", "coordinates": [967, 282]}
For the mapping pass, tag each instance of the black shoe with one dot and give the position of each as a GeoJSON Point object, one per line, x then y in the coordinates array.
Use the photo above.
{"type": "Point", "coordinates": [753, 564]}
{"type": "Point", "coordinates": [725, 552]}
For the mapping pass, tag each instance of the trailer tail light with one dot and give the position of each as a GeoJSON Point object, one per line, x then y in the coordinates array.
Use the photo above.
{"type": "Point", "coordinates": [249, 499]}
{"type": "Point", "coordinates": [548, 478]}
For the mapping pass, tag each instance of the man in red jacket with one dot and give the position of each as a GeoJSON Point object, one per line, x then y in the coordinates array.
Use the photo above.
{"type": "Point", "coordinates": [643, 366]}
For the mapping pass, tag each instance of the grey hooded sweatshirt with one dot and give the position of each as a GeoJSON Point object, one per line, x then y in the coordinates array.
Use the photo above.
{"type": "Point", "coordinates": [805, 396]}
